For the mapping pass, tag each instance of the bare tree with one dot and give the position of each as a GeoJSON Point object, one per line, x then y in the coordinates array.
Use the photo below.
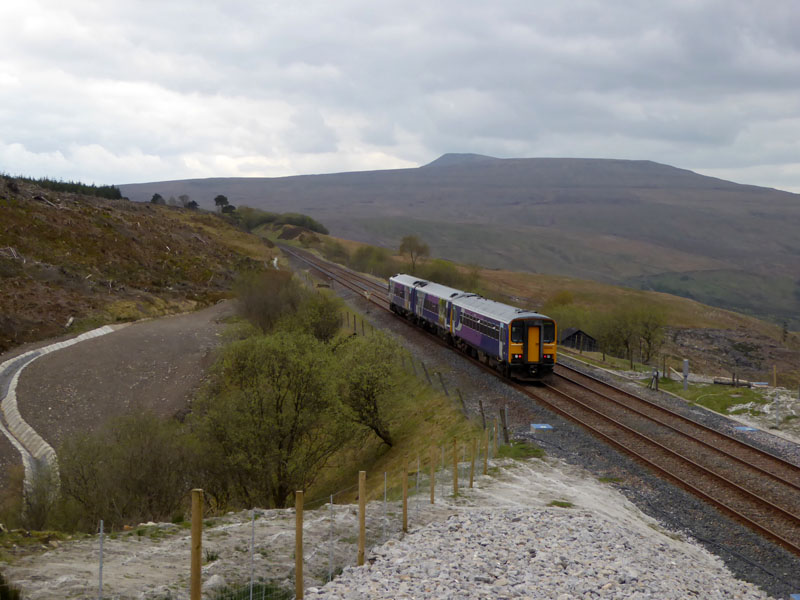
{"type": "Point", "coordinates": [415, 248]}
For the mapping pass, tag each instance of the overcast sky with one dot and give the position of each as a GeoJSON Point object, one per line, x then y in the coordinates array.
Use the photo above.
{"type": "Point", "coordinates": [124, 91]}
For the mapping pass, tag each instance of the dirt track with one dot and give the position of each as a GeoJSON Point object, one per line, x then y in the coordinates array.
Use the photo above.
{"type": "Point", "coordinates": [148, 365]}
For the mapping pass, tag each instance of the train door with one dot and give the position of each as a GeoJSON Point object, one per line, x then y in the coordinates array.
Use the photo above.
{"type": "Point", "coordinates": [533, 343]}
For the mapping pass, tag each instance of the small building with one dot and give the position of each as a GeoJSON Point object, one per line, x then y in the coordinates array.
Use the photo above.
{"type": "Point", "coordinates": [572, 337]}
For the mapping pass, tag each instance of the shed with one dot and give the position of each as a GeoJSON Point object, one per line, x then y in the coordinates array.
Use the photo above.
{"type": "Point", "coordinates": [572, 337]}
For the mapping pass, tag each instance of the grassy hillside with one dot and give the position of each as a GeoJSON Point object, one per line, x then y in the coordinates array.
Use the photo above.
{"type": "Point", "coordinates": [636, 223]}
{"type": "Point", "coordinates": [70, 261]}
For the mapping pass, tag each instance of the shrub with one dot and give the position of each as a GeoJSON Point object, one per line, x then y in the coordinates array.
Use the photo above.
{"type": "Point", "coordinates": [265, 297]}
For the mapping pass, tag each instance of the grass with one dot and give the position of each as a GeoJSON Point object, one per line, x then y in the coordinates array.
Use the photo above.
{"type": "Point", "coordinates": [718, 398]}
{"type": "Point", "coordinates": [419, 416]}
{"type": "Point", "coordinates": [260, 590]}
{"type": "Point", "coordinates": [609, 480]}
{"type": "Point", "coordinates": [561, 504]}
{"type": "Point", "coordinates": [519, 450]}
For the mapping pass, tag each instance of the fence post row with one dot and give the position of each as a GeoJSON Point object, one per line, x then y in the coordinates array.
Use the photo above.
{"type": "Point", "coordinates": [197, 513]}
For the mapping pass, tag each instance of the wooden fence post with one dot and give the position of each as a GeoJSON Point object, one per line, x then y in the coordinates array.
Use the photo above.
{"type": "Point", "coordinates": [433, 473]}
{"type": "Point", "coordinates": [455, 467]}
{"type": "Point", "coordinates": [196, 581]}
{"type": "Point", "coordinates": [486, 451]}
{"type": "Point", "coordinates": [362, 515]}
{"type": "Point", "coordinates": [472, 462]}
{"type": "Point", "coordinates": [405, 494]}
{"type": "Point", "coordinates": [298, 545]}
{"type": "Point", "coordinates": [494, 440]}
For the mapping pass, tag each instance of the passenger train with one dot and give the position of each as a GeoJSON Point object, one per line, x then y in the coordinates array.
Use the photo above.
{"type": "Point", "coordinates": [517, 342]}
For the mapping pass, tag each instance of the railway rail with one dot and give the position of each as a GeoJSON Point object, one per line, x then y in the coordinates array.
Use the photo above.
{"type": "Point", "coordinates": [752, 486]}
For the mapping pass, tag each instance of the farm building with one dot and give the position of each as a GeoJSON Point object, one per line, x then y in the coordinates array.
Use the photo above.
{"type": "Point", "coordinates": [572, 337]}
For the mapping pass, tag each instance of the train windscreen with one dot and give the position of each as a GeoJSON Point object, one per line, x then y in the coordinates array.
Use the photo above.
{"type": "Point", "coordinates": [548, 332]}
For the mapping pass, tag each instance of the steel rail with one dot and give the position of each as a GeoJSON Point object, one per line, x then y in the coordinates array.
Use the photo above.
{"type": "Point", "coordinates": [703, 429]}
{"type": "Point", "coordinates": [720, 434]}
{"type": "Point", "coordinates": [752, 497]}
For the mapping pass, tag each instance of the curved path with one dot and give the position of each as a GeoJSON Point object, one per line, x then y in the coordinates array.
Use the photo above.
{"type": "Point", "coordinates": [150, 365]}
{"type": "Point", "coordinates": [33, 449]}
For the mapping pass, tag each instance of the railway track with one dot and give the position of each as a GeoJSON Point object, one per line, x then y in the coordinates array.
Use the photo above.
{"type": "Point", "coordinates": [754, 487]}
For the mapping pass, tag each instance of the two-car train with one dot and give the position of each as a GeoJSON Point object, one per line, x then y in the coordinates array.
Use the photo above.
{"type": "Point", "coordinates": [517, 342]}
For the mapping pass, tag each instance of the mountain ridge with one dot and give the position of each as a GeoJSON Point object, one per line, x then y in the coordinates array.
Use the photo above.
{"type": "Point", "coordinates": [630, 222]}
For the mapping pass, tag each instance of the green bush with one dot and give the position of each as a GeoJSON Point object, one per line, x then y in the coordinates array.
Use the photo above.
{"type": "Point", "coordinates": [137, 468]}
{"type": "Point", "coordinates": [265, 297]}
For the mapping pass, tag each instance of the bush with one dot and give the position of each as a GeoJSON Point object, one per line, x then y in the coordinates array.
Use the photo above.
{"type": "Point", "coordinates": [318, 315]}
{"type": "Point", "coordinates": [270, 416]}
{"type": "Point", "coordinates": [374, 260]}
{"type": "Point", "coordinates": [334, 251]}
{"type": "Point", "coordinates": [136, 468]}
{"type": "Point", "coordinates": [265, 297]}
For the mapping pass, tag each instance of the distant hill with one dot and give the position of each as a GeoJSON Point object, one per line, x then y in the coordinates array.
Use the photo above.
{"type": "Point", "coordinates": [637, 223]}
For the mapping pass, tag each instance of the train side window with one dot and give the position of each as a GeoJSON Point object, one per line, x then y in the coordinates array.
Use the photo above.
{"type": "Point", "coordinates": [548, 332]}
{"type": "Point", "coordinates": [517, 333]}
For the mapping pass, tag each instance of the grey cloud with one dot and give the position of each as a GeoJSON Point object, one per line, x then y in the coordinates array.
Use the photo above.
{"type": "Point", "coordinates": [297, 84]}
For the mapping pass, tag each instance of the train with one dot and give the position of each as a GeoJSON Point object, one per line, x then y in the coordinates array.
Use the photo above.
{"type": "Point", "coordinates": [519, 343]}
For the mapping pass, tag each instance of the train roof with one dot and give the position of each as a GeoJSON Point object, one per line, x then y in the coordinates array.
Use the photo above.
{"type": "Point", "coordinates": [495, 310]}
{"type": "Point", "coordinates": [429, 287]}
{"type": "Point", "coordinates": [473, 302]}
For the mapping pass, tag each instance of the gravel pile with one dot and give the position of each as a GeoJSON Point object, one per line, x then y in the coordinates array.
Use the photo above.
{"type": "Point", "coordinates": [547, 553]}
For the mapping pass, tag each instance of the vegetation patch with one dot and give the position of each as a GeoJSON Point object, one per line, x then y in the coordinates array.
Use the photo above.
{"type": "Point", "coordinates": [520, 450]}
{"type": "Point", "coordinates": [718, 398]}
{"type": "Point", "coordinates": [561, 504]}
{"type": "Point", "coordinates": [71, 260]}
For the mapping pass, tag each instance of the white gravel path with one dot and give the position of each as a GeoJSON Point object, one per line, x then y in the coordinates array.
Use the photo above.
{"type": "Point", "coordinates": [498, 540]}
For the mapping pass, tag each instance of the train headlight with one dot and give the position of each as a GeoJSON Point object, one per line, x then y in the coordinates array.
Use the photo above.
{"type": "Point", "coordinates": [516, 356]}
{"type": "Point", "coordinates": [548, 356]}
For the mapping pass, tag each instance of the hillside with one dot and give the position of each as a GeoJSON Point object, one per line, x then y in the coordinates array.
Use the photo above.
{"type": "Point", "coordinates": [69, 262]}
{"type": "Point", "coordinates": [635, 223]}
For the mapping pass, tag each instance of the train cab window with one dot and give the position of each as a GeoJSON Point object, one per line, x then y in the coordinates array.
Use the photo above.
{"type": "Point", "coordinates": [548, 332]}
{"type": "Point", "coordinates": [517, 332]}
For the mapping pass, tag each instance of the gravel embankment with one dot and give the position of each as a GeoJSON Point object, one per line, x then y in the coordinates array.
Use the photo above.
{"type": "Point", "coordinates": [522, 553]}
{"type": "Point", "coordinates": [747, 555]}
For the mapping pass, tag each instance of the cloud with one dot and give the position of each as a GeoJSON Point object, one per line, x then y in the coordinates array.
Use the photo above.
{"type": "Point", "coordinates": [135, 91]}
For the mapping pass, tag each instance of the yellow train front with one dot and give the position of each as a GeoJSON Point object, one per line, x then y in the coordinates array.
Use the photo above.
{"type": "Point", "coordinates": [517, 342]}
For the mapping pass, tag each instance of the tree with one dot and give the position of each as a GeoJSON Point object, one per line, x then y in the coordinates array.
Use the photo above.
{"type": "Point", "coordinates": [184, 198]}
{"type": "Point", "coordinates": [367, 368]}
{"type": "Point", "coordinates": [272, 415]}
{"type": "Point", "coordinates": [221, 201]}
{"type": "Point", "coordinates": [228, 209]}
{"type": "Point", "coordinates": [319, 315]}
{"type": "Point", "coordinates": [192, 205]}
{"type": "Point", "coordinates": [415, 248]}
{"type": "Point", "coordinates": [651, 323]}
{"type": "Point", "coordinates": [157, 199]}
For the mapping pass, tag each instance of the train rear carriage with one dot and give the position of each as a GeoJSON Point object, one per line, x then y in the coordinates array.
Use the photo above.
{"type": "Point", "coordinates": [423, 301]}
{"type": "Point", "coordinates": [520, 343]}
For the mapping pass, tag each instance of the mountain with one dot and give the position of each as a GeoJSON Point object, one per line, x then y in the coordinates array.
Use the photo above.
{"type": "Point", "coordinates": [632, 222]}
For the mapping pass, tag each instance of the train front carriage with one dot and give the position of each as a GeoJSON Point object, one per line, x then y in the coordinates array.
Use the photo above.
{"type": "Point", "coordinates": [532, 346]}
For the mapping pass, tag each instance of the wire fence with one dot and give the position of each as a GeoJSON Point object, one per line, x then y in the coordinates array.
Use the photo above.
{"type": "Point", "coordinates": [254, 554]}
